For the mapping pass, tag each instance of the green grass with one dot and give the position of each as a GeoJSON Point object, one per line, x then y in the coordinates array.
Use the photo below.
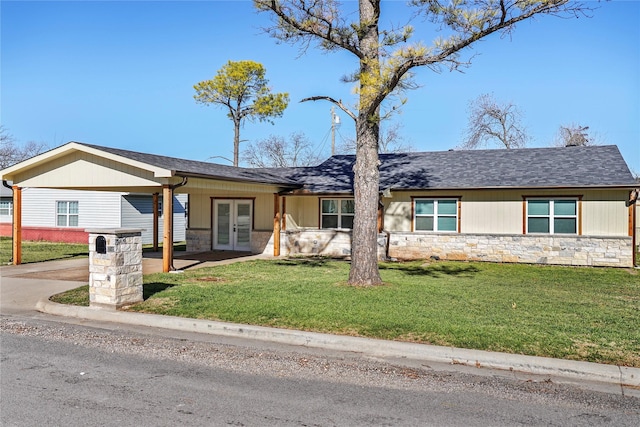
{"type": "Point", "coordinates": [590, 314]}
{"type": "Point", "coordinates": [38, 251]}
{"type": "Point", "coordinates": [77, 296]}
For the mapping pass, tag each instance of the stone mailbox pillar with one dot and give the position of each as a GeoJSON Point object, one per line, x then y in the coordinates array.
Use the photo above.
{"type": "Point", "coordinates": [115, 267]}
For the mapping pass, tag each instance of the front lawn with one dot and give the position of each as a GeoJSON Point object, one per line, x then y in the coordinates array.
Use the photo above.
{"type": "Point", "coordinates": [38, 251]}
{"type": "Point", "coordinates": [590, 314]}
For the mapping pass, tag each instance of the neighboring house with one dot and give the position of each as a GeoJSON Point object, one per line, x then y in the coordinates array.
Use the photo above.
{"type": "Point", "coordinates": [63, 215]}
{"type": "Point", "coordinates": [566, 205]}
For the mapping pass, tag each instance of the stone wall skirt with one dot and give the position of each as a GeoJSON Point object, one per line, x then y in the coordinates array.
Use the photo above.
{"type": "Point", "coordinates": [533, 249]}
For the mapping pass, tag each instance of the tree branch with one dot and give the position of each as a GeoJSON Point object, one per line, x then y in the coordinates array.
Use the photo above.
{"type": "Point", "coordinates": [338, 103]}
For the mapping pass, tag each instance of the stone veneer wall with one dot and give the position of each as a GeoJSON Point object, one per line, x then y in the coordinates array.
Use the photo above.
{"type": "Point", "coordinates": [563, 250]}
{"type": "Point", "coordinates": [334, 243]}
{"type": "Point", "coordinates": [198, 239]}
{"type": "Point", "coordinates": [115, 277]}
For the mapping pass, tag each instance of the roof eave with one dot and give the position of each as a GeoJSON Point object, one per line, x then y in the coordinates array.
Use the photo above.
{"type": "Point", "coordinates": [524, 187]}
{"type": "Point", "coordinates": [232, 179]}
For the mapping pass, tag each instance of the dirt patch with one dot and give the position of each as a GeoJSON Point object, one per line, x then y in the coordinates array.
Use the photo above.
{"type": "Point", "coordinates": [77, 274]}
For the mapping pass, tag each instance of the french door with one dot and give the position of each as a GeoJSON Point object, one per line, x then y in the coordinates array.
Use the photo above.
{"type": "Point", "coordinates": [232, 225]}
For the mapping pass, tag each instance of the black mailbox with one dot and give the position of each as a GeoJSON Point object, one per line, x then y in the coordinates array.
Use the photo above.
{"type": "Point", "coordinates": [101, 245]}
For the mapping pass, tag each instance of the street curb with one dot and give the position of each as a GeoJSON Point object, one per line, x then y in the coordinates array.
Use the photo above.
{"type": "Point", "coordinates": [573, 370]}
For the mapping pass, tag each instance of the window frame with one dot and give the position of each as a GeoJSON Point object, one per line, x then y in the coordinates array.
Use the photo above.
{"type": "Point", "coordinates": [67, 214]}
{"type": "Point", "coordinates": [9, 207]}
{"type": "Point", "coordinates": [436, 214]}
{"type": "Point", "coordinates": [339, 214]}
{"type": "Point", "coordinates": [552, 216]}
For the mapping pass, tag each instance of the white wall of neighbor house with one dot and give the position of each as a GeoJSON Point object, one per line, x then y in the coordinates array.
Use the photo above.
{"type": "Point", "coordinates": [96, 208]}
{"type": "Point", "coordinates": [137, 212]}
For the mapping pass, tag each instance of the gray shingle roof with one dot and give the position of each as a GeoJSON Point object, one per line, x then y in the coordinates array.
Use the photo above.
{"type": "Point", "coordinates": [561, 167]}
{"type": "Point", "coordinates": [202, 169]}
{"type": "Point", "coordinates": [595, 166]}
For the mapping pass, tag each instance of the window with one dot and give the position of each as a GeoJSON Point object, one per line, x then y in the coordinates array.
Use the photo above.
{"type": "Point", "coordinates": [336, 213]}
{"type": "Point", "coordinates": [67, 214]}
{"type": "Point", "coordinates": [435, 215]}
{"type": "Point", "coordinates": [552, 216]}
{"type": "Point", "coordinates": [6, 208]}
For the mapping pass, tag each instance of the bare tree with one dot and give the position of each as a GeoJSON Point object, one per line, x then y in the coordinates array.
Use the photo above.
{"type": "Point", "coordinates": [11, 152]}
{"type": "Point", "coordinates": [575, 135]}
{"type": "Point", "coordinates": [391, 141]}
{"type": "Point", "coordinates": [385, 59]}
{"type": "Point", "coordinates": [493, 121]}
{"type": "Point", "coordinates": [277, 151]}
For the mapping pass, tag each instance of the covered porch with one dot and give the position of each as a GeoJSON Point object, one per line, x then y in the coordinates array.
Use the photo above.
{"type": "Point", "coordinates": [223, 202]}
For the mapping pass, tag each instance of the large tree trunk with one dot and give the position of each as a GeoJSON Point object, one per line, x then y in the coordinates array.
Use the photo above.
{"type": "Point", "coordinates": [364, 243]}
{"type": "Point", "coordinates": [236, 142]}
{"type": "Point", "coordinates": [366, 179]}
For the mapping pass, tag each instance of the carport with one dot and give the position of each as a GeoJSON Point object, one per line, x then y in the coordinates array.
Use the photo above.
{"type": "Point", "coordinates": [80, 166]}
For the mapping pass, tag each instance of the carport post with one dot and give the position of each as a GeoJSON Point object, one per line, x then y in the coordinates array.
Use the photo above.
{"type": "Point", "coordinates": [155, 222]}
{"type": "Point", "coordinates": [167, 232]}
{"type": "Point", "coordinates": [276, 224]}
{"type": "Point", "coordinates": [17, 225]}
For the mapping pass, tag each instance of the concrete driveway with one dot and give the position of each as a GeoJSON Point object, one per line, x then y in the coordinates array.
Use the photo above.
{"type": "Point", "coordinates": [22, 286]}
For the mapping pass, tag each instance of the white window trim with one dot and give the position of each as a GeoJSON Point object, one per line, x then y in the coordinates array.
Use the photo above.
{"type": "Point", "coordinates": [67, 215]}
{"type": "Point", "coordinates": [435, 214]}
{"type": "Point", "coordinates": [10, 207]}
{"type": "Point", "coordinates": [552, 215]}
{"type": "Point", "coordinates": [339, 213]}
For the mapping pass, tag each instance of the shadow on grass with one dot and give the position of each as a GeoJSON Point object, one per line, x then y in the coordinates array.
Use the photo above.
{"type": "Point", "coordinates": [432, 270]}
{"type": "Point", "coordinates": [177, 247]}
{"type": "Point", "coordinates": [307, 262]}
{"type": "Point", "coordinates": [150, 289]}
{"type": "Point", "coordinates": [76, 255]}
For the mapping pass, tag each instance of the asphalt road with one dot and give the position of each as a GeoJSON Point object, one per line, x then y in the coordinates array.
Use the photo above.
{"type": "Point", "coordinates": [63, 374]}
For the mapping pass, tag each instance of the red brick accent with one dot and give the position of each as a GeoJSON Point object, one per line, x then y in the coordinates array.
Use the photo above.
{"type": "Point", "coordinates": [49, 234]}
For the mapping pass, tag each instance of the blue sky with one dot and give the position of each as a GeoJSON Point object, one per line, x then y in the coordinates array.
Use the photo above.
{"type": "Point", "coordinates": [121, 74]}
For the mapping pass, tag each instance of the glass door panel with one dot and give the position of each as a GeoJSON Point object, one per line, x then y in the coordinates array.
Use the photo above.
{"type": "Point", "coordinates": [243, 226]}
{"type": "Point", "coordinates": [223, 231]}
{"type": "Point", "coordinates": [232, 225]}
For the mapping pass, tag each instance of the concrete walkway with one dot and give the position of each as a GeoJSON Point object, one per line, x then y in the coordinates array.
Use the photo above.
{"type": "Point", "coordinates": [27, 287]}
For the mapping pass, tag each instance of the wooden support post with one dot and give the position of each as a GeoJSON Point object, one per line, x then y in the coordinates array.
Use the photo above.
{"type": "Point", "coordinates": [167, 232]}
{"type": "Point", "coordinates": [17, 225]}
{"type": "Point", "coordinates": [276, 224]}
{"type": "Point", "coordinates": [156, 222]}
{"type": "Point", "coordinates": [634, 237]}
{"type": "Point", "coordinates": [284, 213]}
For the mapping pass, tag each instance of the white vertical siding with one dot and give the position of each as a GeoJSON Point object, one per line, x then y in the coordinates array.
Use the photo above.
{"type": "Point", "coordinates": [501, 211]}
{"type": "Point", "coordinates": [95, 208]}
{"type": "Point", "coordinates": [604, 213]}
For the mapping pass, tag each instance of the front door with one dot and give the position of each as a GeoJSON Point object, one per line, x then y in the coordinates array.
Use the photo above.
{"type": "Point", "coordinates": [232, 225]}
